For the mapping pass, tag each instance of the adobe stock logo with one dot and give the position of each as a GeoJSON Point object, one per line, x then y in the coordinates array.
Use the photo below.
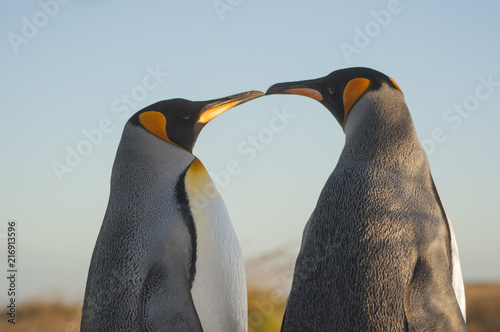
{"type": "Point", "coordinates": [122, 107]}
{"type": "Point", "coordinates": [30, 28]}
{"type": "Point", "coordinates": [455, 116]}
{"type": "Point", "coordinates": [224, 6]}
{"type": "Point", "coordinates": [372, 29]}
{"type": "Point", "coordinates": [249, 149]}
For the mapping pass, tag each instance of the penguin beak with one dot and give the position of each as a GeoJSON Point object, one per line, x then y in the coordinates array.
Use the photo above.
{"type": "Point", "coordinates": [214, 108]}
{"type": "Point", "coordinates": [309, 88]}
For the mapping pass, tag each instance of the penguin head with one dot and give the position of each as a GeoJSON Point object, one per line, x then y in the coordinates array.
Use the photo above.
{"type": "Point", "coordinates": [338, 91]}
{"type": "Point", "coordinates": [179, 121]}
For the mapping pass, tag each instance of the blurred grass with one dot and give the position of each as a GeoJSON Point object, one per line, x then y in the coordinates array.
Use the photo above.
{"type": "Point", "coordinates": [265, 311]}
{"type": "Point", "coordinates": [483, 307]}
{"type": "Point", "coordinates": [43, 316]}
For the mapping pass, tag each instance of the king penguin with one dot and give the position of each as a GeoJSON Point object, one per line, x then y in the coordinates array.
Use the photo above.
{"type": "Point", "coordinates": [167, 257]}
{"type": "Point", "coordinates": [378, 252]}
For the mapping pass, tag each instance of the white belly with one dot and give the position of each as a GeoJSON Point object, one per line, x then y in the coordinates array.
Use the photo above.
{"type": "Point", "coordinates": [457, 279]}
{"type": "Point", "coordinates": [458, 282]}
{"type": "Point", "coordinates": [219, 287]}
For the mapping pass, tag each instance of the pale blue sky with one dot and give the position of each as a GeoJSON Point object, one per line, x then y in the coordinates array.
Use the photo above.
{"type": "Point", "coordinates": [73, 71]}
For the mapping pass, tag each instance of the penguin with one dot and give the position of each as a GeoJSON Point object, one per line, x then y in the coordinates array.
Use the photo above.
{"type": "Point", "coordinates": [167, 257]}
{"type": "Point", "coordinates": [378, 252]}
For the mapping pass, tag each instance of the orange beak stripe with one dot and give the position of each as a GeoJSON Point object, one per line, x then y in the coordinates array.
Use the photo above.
{"type": "Point", "coordinates": [211, 113]}
{"type": "Point", "coordinates": [308, 92]}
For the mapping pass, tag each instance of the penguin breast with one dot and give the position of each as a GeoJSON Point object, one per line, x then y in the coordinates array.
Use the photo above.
{"type": "Point", "coordinates": [219, 286]}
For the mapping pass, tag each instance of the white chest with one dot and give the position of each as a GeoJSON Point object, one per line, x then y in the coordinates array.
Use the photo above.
{"type": "Point", "coordinates": [219, 287]}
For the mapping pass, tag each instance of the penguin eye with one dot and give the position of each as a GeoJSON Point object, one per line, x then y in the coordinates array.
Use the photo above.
{"type": "Point", "coordinates": [186, 117]}
{"type": "Point", "coordinates": [331, 90]}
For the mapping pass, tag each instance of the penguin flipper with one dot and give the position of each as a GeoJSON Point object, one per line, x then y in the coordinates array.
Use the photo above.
{"type": "Point", "coordinates": [167, 304]}
{"type": "Point", "coordinates": [430, 304]}
{"type": "Point", "coordinates": [458, 282]}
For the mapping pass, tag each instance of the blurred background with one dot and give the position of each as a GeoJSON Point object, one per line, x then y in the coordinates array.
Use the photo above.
{"type": "Point", "coordinates": [74, 71]}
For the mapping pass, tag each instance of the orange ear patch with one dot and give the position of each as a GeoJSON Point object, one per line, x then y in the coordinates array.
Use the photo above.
{"type": "Point", "coordinates": [397, 86]}
{"type": "Point", "coordinates": [155, 123]}
{"type": "Point", "coordinates": [353, 90]}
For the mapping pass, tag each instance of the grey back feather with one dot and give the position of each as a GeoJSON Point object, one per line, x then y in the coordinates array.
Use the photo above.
{"type": "Point", "coordinates": [376, 248]}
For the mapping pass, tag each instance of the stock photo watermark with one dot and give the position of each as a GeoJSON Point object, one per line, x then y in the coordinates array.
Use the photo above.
{"type": "Point", "coordinates": [307, 267]}
{"type": "Point", "coordinates": [371, 30]}
{"type": "Point", "coordinates": [73, 326]}
{"type": "Point", "coordinates": [248, 150]}
{"type": "Point", "coordinates": [122, 107]}
{"type": "Point", "coordinates": [30, 27]}
{"type": "Point", "coordinates": [265, 308]}
{"type": "Point", "coordinates": [455, 115]}
{"type": "Point", "coordinates": [225, 6]}
{"type": "Point", "coordinates": [12, 268]}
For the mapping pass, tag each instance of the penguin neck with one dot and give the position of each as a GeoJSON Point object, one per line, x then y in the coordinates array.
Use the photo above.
{"type": "Point", "coordinates": [138, 146]}
{"type": "Point", "coordinates": [380, 128]}
{"type": "Point", "coordinates": [146, 165]}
